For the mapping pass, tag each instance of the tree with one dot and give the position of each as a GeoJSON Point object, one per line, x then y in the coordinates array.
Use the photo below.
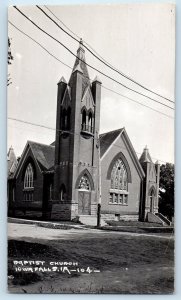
{"type": "Point", "coordinates": [10, 58]}
{"type": "Point", "coordinates": [166, 201]}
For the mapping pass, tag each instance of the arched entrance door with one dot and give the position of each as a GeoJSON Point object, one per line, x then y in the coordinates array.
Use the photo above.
{"type": "Point", "coordinates": [152, 199]}
{"type": "Point", "coordinates": [84, 196]}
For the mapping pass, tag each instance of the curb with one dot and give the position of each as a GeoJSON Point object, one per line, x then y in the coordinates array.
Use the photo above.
{"type": "Point", "coordinates": [47, 224]}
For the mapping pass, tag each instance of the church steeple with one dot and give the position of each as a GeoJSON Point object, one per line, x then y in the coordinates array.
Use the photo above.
{"type": "Point", "coordinates": [80, 63]}
{"type": "Point", "coordinates": [76, 154]}
{"type": "Point", "coordinates": [81, 51]}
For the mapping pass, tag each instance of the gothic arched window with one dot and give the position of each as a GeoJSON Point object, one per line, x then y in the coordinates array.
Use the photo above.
{"type": "Point", "coordinates": [28, 179]}
{"type": "Point", "coordinates": [50, 191]}
{"type": "Point", "coordinates": [119, 183]}
{"type": "Point", "coordinates": [68, 118]}
{"type": "Point", "coordinates": [152, 198]}
{"type": "Point", "coordinates": [84, 120]}
{"type": "Point", "coordinates": [29, 183]}
{"type": "Point", "coordinates": [64, 119]}
{"type": "Point", "coordinates": [90, 121]}
{"type": "Point", "coordinates": [62, 192]}
{"type": "Point", "coordinates": [119, 176]}
{"type": "Point", "coordinates": [84, 183]}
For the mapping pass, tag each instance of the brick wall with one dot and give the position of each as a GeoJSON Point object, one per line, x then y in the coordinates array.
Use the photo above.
{"type": "Point", "coordinates": [20, 206]}
{"type": "Point", "coordinates": [133, 187]}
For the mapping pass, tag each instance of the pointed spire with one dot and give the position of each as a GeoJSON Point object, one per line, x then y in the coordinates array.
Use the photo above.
{"type": "Point", "coordinates": [80, 65]}
{"type": "Point", "coordinates": [62, 79]}
{"type": "Point", "coordinates": [145, 157]}
{"type": "Point", "coordinates": [11, 153]}
{"type": "Point", "coordinates": [96, 79]}
{"type": "Point", "coordinates": [81, 51]}
{"type": "Point", "coordinates": [11, 158]}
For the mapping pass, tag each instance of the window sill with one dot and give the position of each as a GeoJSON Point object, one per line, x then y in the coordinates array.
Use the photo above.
{"type": "Point", "coordinates": [86, 133]}
{"type": "Point", "coordinates": [32, 201]}
{"type": "Point", "coordinates": [122, 192]}
{"type": "Point", "coordinates": [115, 203]}
{"type": "Point", "coordinates": [28, 189]}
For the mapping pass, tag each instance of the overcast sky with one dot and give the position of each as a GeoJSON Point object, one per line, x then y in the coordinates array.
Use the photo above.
{"type": "Point", "coordinates": [137, 39]}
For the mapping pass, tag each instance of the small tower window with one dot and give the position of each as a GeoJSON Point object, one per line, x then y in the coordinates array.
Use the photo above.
{"type": "Point", "coordinates": [62, 193]}
{"type": "Point", "coordinates": [84, 120]}
{"type": "Point", "coordinates": [87, 121]}
{"type": "Point", "coordinates": [51, 190]}
{"type": "Point", "coordinates": [68, 118]}
{"type": "Point", "coordinates": [64, 118]}
{"type": "Point", "coordinates": [90, 120]}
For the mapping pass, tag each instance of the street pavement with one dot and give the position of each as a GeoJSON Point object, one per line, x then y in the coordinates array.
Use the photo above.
{"type": "Point", "coordinates": [27, 231]}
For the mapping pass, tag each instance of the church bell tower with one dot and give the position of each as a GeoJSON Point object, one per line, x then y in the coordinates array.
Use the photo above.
{"type": "Point", "coordinates": [76, 179]}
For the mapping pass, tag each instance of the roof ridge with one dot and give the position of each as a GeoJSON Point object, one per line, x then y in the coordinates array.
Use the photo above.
{"type": "Point", "coordinates": [40, 144]}
{"type": "Point", "coordinates": [120, 129]}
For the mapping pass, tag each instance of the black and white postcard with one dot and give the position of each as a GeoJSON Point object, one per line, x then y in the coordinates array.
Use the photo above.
{"type": "Point", "coordinates": [90, 157]}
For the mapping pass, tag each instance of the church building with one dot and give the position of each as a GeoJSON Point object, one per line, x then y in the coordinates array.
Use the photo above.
{"type": "Point", "coordinates": [83, 169]}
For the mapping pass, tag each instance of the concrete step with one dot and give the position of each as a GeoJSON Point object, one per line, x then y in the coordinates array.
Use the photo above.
{"type": "Point", "coordinates": [90, 220]}
{"type": "Point", "coordinates": [151, 217]}
{"type": "Point", "coordinates": [164, 219]}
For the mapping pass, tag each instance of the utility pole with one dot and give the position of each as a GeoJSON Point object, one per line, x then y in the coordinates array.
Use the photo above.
{"type": "Point", "coordinates": [99, 186]}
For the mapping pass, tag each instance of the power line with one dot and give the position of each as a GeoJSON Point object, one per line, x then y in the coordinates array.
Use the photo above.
{"type": "Point", "coordinates": [63, 23]}
{"type": "Point", "coordinates": [89, 64]}
{"type": "Point", "coordinates": [102, 60]}
{"type": "Point", "coordinates": [39, 44]}
{"type": "Point", "coordinates": [117, 93]}
{"type": "Point", "coordinates": [33, 124]}
{"type": "Point", "coordinates": [72, 133]}
{"type": "Point", "coordinates": [80, 38]}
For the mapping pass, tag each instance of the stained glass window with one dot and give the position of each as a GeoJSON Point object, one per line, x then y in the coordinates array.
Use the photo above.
{"type": "Point", "coordinates": [29, 183]}
{"type": "Point", "coordinates": [119, 176]}
{"type": "Point", "coordinates": [84, 183]}
{"type": "Point", "coordinates": [119, 184]}
{"type": "Point", "coordinates": [28, 179]}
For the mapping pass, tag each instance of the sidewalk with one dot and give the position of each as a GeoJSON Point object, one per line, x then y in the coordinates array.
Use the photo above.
{"type": "Point", "coordinates": [70, 225]}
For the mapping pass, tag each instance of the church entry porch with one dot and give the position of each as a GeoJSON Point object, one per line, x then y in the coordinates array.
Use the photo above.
{"type": "Point", "coordinates": [84, 195]}
{"type": "Point", "coordinates": [84, 203]}
{"type": "Point", "coordinates": [152, 196]}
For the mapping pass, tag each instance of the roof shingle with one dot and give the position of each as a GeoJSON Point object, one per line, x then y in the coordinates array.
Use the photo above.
{"type": "Point", "coordinates": [106, 139]}
{"type": "Point", "coordinates": [44, 154]}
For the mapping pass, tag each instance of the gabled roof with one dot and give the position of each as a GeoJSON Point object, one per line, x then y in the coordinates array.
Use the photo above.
{"type": "Point", "coordinates": [66, 97]}
{"type": "Point", "coordinates": [44, 154]}
{"type": "Point", "coordinates": [88, 98]}
{"type": "Point", "coordinates": [106, 139]}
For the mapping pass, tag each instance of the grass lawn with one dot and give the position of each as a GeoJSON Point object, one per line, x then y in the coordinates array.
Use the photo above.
{"type": "Point", "coordinates": [127, 264]}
